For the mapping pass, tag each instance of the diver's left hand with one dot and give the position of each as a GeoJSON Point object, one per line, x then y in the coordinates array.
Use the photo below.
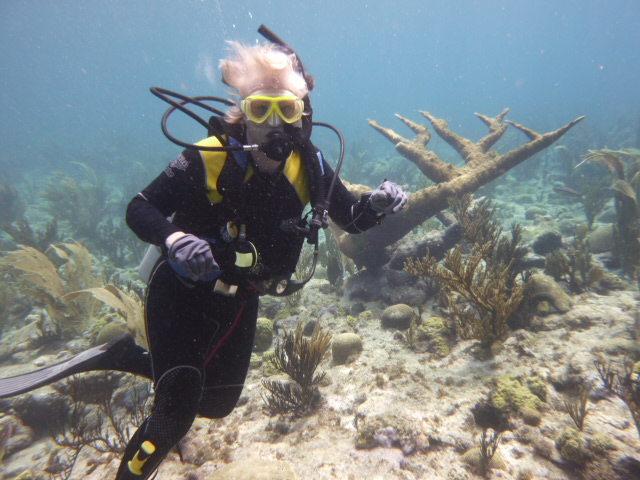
{"type": "Point", "coordinates": [388, 198]}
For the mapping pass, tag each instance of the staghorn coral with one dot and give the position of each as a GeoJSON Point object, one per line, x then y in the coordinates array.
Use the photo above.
{"type": "Point", "coordinates": [482, 165]}
{"type": "Point", "coordinates": [299, 358]}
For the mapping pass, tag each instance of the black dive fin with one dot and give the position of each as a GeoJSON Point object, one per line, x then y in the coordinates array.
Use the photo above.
{"type": "Point", "coordinates": [115, 355]}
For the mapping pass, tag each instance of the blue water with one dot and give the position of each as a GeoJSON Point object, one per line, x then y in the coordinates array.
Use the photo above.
{"type": "Point", "coordinates": [75, 78]}
{"type": "Point", "coordinates": [75, 74]}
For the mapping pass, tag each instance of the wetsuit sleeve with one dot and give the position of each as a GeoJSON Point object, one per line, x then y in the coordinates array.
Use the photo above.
{"type": "Point", "coordinates": [148, 212]}
{"type": "Point", "coordinates": [349, 213]}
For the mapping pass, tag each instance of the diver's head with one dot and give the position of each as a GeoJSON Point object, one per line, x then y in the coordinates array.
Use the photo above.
{"type": "Point", "coordinates": [250, 69]}
{"type": "Point", "coordinates": [273, 90]}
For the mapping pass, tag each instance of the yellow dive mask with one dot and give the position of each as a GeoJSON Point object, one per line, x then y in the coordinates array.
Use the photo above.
{"type": "Point", "coordinates": [259, 108]}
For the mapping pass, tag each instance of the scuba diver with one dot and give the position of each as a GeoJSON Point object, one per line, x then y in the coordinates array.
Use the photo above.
{"type": "Point", "coordinates": [226, 223]}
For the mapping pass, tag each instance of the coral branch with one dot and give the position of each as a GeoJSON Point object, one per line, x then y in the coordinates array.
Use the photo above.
{"type": "Point", "coordinates": [527, 131]}
{"type": "Point", "coordinates": [414, 150]}
{"type": "Point", "coordinates": [389, 134]}
{"type": "Point", "coordinates": [465, 147]}
{"type": "Point", "coordinates": [539, 143]}
{"type": "Point", "coordinates": [496, 129]}
{"type": "Point", "coordinates": [422, 133]}
{"type": "Point", "coordinates": [428, 162]}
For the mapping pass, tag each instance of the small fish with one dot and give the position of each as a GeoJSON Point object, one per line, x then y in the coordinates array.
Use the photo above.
{"type": "Point", "coordinates": [568, 192]}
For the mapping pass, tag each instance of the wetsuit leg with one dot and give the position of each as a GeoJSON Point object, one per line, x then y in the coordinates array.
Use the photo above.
{"type": "Point", "coordinates": [177, 397]}
{"type": "Point", "coordinates": [226, 371]}
{"type": "Point", "coordinates": [183, 323]}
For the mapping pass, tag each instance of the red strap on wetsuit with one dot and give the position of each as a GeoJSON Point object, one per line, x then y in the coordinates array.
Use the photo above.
{"type": "Point", "coordinates": [226, 335]}
{"type": "Point", "coordinates": [245, 293]}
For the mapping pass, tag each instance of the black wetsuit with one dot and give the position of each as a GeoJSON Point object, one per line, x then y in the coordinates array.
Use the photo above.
{"type": "Point", "coordinates": [200, 341]}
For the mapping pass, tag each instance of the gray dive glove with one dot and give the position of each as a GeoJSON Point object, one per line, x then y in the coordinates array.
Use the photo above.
{"type": "Point", "coordinates": [191, 257]}
{"type": "Point", "coordinates": [388, 198]}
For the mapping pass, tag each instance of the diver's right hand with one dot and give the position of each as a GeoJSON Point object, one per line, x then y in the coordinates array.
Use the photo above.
{"type": "Point", "coordinates": [192, 254]}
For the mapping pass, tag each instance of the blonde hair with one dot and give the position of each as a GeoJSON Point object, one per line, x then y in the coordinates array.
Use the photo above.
{"type": "Point", "coordinates": [250, 68]}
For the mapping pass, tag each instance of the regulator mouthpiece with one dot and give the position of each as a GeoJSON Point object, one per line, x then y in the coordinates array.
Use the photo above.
{"type": "Point", "coordinates": [278, 147]}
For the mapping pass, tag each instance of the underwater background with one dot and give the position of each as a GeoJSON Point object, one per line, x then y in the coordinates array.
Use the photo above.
{"type": "Point", "coordinates": [411, 391]}
{"type": "Point", "coordinates": [76, 70]}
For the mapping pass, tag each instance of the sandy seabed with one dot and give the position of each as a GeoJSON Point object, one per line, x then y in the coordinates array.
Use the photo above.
{"type": "Point", "coordinates": [436, 395]}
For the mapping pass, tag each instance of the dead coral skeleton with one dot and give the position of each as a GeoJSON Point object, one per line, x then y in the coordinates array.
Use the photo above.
{"type": "Point", "coordinates": [482, 165]}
